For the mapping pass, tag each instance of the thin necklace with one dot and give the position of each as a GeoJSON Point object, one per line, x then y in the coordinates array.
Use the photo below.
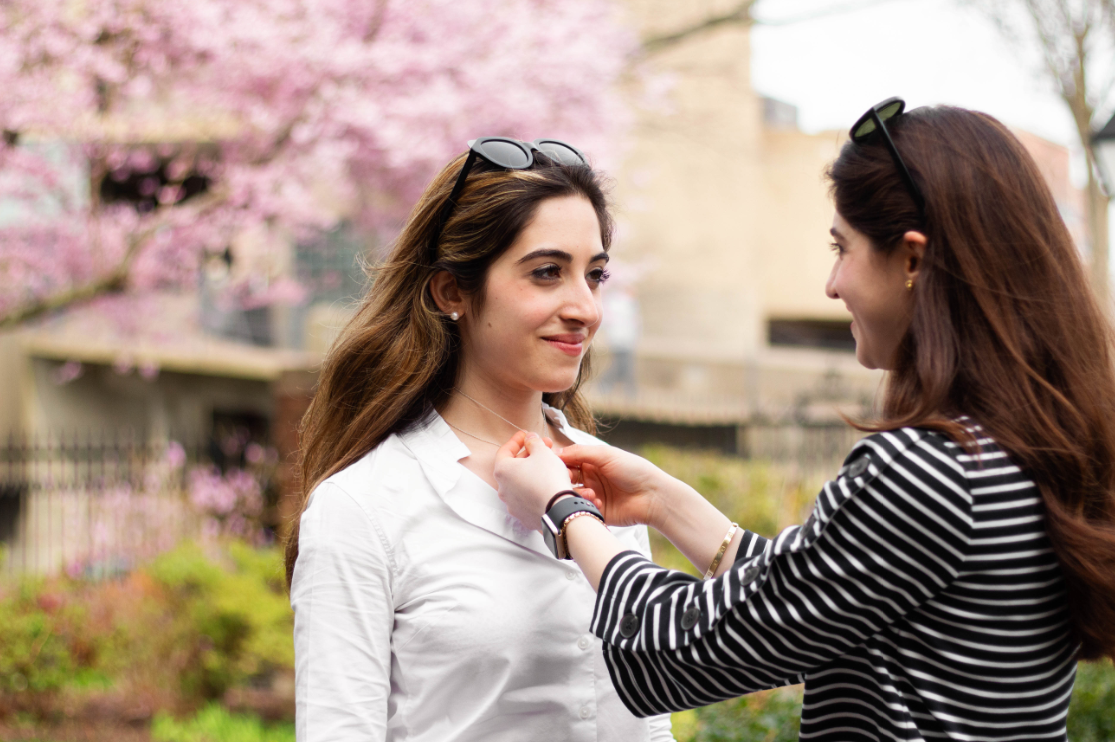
{"type": "Point", "coordinates": [470, 435]}
{"type": "Point", "coordinates": [501, 417]}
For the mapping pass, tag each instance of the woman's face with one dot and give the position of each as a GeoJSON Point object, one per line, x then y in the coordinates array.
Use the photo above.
{"type": "Point", "coordinates": [872, 285]}
{"type": "Point", "coordinates": [541, 304]}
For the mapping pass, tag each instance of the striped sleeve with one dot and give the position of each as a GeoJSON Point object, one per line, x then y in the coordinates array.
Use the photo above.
{"type": "Point", "coordinates": [888, 534]}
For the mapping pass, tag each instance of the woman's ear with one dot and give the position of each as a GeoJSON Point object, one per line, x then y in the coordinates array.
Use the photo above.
{"type": "Point", "coordinates": [913, 251]}
{"type": "Point", "coordinates": [446, 293]}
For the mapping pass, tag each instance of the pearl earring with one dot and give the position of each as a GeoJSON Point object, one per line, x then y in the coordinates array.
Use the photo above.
{"type": "Point", "coordinates": [454, 316]}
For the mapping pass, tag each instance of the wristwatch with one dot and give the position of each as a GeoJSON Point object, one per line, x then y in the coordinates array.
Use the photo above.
{"type": "Point", "coordinates": [553, 522]}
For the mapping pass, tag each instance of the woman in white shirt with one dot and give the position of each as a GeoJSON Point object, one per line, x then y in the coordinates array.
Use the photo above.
{"type": "Point", "coordinates": [423, 611]}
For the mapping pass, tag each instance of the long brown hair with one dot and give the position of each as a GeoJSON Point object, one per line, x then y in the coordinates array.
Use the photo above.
{"type": "Point", "coordinates": [398, 356]}
{"type": "Point", "coordinates": [1005, 329]}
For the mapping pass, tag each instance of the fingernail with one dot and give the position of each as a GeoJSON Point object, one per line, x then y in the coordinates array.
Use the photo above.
{"type": "Point", "coordinates": [531, 435]}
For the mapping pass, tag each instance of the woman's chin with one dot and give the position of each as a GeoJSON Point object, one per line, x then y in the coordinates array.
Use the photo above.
{"type": "Point", "coordinates": [556, 386]}
{"type": "Point", "coordinates": [864, 357]}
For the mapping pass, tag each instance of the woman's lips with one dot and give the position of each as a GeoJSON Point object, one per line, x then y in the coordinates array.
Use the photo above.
{"type": "Point", "coordinates": [571, 345]}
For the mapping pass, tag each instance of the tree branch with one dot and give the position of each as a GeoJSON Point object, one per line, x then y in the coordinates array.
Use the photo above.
{"type": "Point", "coordinates": [740, 15]}
{"type": "Point", "coordinates": [111, 283]}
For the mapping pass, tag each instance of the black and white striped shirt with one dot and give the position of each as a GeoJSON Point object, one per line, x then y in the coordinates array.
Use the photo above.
{"type": "Point", "coordinates": [921, 600]}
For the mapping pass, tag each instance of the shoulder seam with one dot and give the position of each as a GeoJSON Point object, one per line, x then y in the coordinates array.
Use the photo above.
{"type": "Point", "coordinates": [384, 543]}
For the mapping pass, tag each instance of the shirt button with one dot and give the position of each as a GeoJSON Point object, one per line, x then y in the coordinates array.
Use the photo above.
{"type": "Point", "coordinates": [570, 575]}
{"type": "Point", "coordinates": [858, 467]}
{"type": "Point", "coordinates": [584, 642]}
{"type": "Point", "coordinates": [749, 575]}
{"type": "Point", "coordinates": [629, 626]}
{"type": "Point", "coordinates": [586, 712]}
{"type": "Point", "coordinates": [689, 618]}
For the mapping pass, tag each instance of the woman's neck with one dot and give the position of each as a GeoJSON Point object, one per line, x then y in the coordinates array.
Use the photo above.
{"type": "Point", "coordinates": [488, 413]}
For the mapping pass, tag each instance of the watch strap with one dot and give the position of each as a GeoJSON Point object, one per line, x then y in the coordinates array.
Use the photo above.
{"type": "Point", "coordinates": [553, 522]}
{"type": "Point", "coordinates": [563, 493]}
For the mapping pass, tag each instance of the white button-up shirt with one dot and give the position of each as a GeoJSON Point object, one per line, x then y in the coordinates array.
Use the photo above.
{"type": "Point", "coordinates": [424, 612]}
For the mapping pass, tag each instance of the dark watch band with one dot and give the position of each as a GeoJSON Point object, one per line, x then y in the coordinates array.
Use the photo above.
{"type": "Point", "coordinates": [563, 493]}
{"type": "Point", "coordinates": [554, 520]}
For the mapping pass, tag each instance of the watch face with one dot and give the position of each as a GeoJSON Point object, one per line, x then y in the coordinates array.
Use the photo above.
{"type": "Point", "coordinates": [551, 540]}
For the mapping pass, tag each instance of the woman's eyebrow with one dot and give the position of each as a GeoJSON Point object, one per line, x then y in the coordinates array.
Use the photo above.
{"type": "Point", "coordinates": [562, 255]}
{"type": "Point", "coordinates": [553, 253]}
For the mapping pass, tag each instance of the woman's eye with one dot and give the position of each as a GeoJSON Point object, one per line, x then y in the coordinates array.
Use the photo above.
{"type": "Point", "coordinates": [546, 272]}
{"type": "Point", "coordinates": [598, 275]}
{"type": "Point", "coordinates": [837, 248]}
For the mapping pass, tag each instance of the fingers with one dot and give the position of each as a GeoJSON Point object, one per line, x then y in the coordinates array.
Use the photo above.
{"type": "Point", "coordinates": [524, 452]}
{"type": "Point", "coordinates": [535, 443]}
{"type": "Point", "coordinates": [589, 494]}
{"type": "Point", "coordinates": [575, 456]}
{"type": "Point", "coordinates": [512, 448]}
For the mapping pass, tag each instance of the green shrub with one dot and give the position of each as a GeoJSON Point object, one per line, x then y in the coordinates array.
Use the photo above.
{"type": "Point", "coordinates": [760, 496]}
{"type": "Point", "coordinates": [216, 724]}
{"type": "Point", "coordinates": [36, 639]}
{"type": "Point", "coordinates": [1092, 710]}
{"type": "Point", "coordinates": [235, 619]}
{"type": "Point", "coordinates": [766, 716]}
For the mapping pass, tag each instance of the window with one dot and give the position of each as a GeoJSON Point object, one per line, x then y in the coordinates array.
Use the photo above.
{"type": "Point", "coordinates": [811, 333]}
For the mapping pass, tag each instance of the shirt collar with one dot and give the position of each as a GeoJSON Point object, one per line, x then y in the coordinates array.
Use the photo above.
{"type": "Point", "coordinates": [439, 451]}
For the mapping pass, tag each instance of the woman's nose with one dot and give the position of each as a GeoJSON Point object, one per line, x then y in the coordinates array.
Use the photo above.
{"type": "Point", "coordinates": [830, 284]}
{"type": "Point", "coordinates": [581, 305]}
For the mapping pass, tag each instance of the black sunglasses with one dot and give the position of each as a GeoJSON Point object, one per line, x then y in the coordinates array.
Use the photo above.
{"type": "Point", "coordinates": [509, 154]}
{"type": "Point", "coordinates": [875, 121]}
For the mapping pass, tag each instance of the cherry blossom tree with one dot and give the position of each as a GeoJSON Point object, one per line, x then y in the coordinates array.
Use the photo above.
{"type": "Point", "coordinates": [219, 117]}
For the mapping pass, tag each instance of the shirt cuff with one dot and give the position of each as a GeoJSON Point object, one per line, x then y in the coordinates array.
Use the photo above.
{"type": "Point", "coordinates": [752, 544]}
{"type": "Point", "coordinates": [615, 619]}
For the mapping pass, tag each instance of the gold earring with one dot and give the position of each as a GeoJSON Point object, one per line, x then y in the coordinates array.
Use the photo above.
{"type": "Point", "coordinates": [910, 284]}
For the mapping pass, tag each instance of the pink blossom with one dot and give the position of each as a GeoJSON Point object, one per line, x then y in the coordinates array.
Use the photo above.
{"type": "Point", "coordinates": [270, 100]}
{"type": "Point", "coordinates": [175, 455]}
{"type": "Point", "coordinates": [67, 372]}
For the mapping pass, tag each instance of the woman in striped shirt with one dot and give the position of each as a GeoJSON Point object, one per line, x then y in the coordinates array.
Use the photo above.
{"type": "Point", "coordinates": [963, 559]}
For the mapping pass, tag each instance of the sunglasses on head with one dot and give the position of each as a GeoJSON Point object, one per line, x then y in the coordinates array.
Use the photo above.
{"type": "Point", "coordinates": [875, 120]}
{"type": "Point", "coordinates": [509, 154]}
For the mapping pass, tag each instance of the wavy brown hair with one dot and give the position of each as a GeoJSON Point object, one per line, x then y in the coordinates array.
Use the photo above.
{"type": "Point", "coordinates": [398, 356]}
{"type": "Point", "coordinates": [1005, 329]}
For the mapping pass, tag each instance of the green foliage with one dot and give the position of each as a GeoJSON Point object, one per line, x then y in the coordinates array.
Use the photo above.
{"type": "Point", "coordinates": [35, 654]}
{"type": "Point", "coordinates": [235, 618]}
{"type": "Point", "coordinates": [182, 630]}
{"type": "Point", "coordinates": [1092, 710]}
{"type": "Point", "coordinates": [215, 724]}
{"type": "Point", "coordinates": [766, 716]}
{"type": "Point", "coordinates": [760, 496]}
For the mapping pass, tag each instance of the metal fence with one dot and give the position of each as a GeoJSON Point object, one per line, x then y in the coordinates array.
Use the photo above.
{"type": "Point", "coordinates": [814, 448]}
{"type": "Point", "coordinates": [808, 447]}
{"type": "Point", "coordinates": [92, 504]}
{"type": "Point", "coordinates": [97, 504]}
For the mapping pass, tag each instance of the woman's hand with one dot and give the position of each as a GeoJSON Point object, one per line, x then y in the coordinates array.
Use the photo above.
{"type": "Point", "coordinates": [529, 474]}
{"type": "Point", "coordinates": [631, 489]}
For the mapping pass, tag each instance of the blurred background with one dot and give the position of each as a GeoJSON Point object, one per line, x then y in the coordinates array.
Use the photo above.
{"type": "Point", "coordinates": [194, 198]}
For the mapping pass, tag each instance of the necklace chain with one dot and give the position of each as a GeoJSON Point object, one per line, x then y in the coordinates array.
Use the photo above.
{"type": "Point", "coordinates": [501, 417]}
{"type": "Point", "coordinates": [489, 409]}
{"type": "Point", "coordinates": [470, 435]}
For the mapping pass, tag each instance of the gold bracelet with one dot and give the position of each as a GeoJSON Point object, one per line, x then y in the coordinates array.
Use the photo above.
{"type": "Point", "coordinates": [720, 554]}
{"type": "Point", "coordinates": [564, 543]}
